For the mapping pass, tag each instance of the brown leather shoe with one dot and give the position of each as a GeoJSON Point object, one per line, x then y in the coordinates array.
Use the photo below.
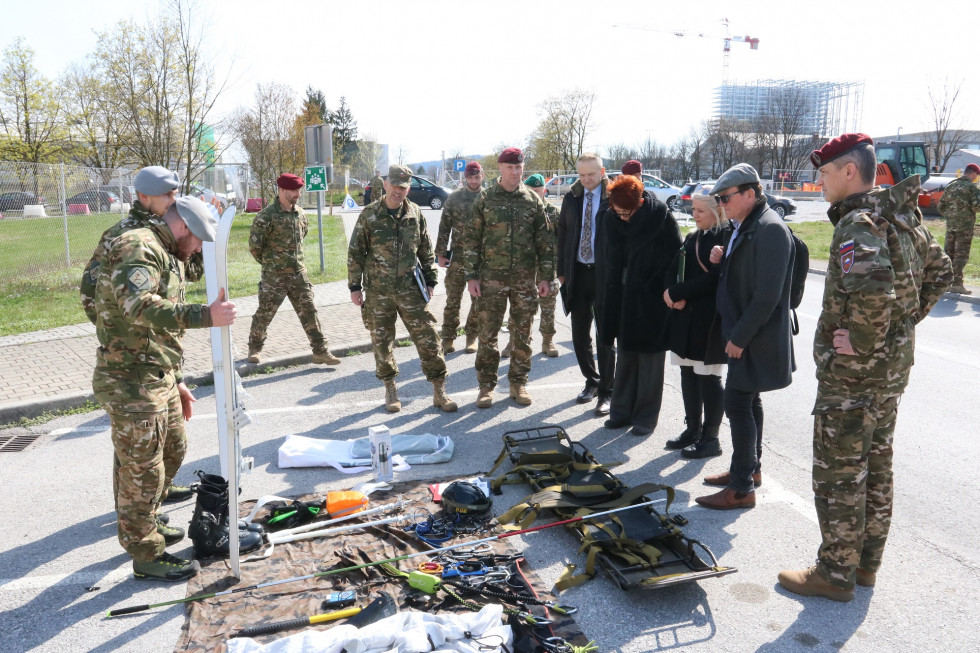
{"type": "Point", "coordinates": [727, 499]}
{"type": "Point", "coordinates": [723, 479]}
{"type": "Point", "coordinates": [808, 582]}
{"type": "Point", "coordinates": [866, 578]}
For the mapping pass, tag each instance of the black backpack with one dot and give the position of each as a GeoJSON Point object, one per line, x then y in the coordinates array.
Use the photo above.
{"type": "Point", "coordinates": [801, 267]}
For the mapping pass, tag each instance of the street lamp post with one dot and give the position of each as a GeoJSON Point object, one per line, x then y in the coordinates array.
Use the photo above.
{"type": "Point", "coordinates": [899, 137]}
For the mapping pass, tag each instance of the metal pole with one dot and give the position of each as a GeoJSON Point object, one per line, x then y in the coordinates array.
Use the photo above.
{"type": "Point", "coordinates": [319, 223]}
{"type": "Point", "coordinates": [64, 214]}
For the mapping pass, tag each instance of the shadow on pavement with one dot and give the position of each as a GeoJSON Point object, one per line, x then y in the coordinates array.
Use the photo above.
{"type": "Point", "coordinates": [822, 623]}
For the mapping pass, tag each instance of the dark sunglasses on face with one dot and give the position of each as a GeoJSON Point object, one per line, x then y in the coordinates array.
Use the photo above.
{"type": "Point", "coordinates": [723, 199]}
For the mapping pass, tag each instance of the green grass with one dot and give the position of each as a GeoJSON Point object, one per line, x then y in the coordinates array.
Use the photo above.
{"type": "Point", "coordinates": [43, 418]}
{"type": "Point", "coordinates": [38, 290]}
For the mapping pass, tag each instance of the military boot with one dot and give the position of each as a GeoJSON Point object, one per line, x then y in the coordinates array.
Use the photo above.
{"type": "Point", "coordinates": [448, 345]}
{"type": "Point", "coordinates": [209, 526]}
{"type": "Point", "coordinates": [325, 358]}
{"type": "Point", "coordinates": [171, 534]}
{"type": "Point", "coordinates": [392, 403]}
{"type": "Point", "coordinates": [959, 288]}
{"type": "Point", "coordinates": [485, 398]}
{"type": "Point", "coordinates": [254, 356]}
{"type": "Point", "coordinates": [470, 344]}
{"type": "Point", "coordinates": [177, 493]}
{"type": "Point", "coordinates": [165, 567]}
{"type": "Point", "coordinates": [439, 397]}
{"type": "Point", "coordinates": [508, 349]}
{"type": "Point", "coordinates": [548, 346]}
{"type": "Point", "coordinates": [809, 583]}
{"type": "Point", "coordinates": [519, 394]}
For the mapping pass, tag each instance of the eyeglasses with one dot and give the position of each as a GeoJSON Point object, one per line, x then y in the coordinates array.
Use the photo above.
{"type": "Point", "coordinates": [723, 199]}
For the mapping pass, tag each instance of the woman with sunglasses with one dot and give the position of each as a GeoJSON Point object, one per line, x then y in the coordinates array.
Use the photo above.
{"type": "Point", "coordinates": [697, 349]}
{"type": "Point", "coordinates": [639, 241]}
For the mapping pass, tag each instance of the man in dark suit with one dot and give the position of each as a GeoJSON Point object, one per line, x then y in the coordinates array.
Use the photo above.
{"type": "Point", "coordinates": [578, 224]}
{"type": "Point", "coordinates": [754, 311]}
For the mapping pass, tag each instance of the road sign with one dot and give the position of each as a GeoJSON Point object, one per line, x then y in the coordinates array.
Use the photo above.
{"type": "Point", "coordinates": [316, 178]}
{"type": "Point", "coordinates": [459, 165]}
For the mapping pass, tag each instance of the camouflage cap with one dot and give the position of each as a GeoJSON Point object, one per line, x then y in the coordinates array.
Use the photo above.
{"type": "Point", "coordinates": [738, 174]}
{"type": "Point", "coordinates": [198, 218]}
{"type": "Point", "coordinates": [155, 180]}
{"type": "Point", "coordinates": [534, 181]}
{"type": "Point", "coordinates": [400, 176]}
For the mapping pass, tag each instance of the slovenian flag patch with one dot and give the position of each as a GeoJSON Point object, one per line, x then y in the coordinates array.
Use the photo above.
{"type": "Point", "coordinates": [847, 255]}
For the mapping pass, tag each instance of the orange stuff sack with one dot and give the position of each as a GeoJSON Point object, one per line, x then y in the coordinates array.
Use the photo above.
{"type": "Point", "coordinates": [345, 502]}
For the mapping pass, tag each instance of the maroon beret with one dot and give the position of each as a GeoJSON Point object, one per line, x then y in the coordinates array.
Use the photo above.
{"type": "Point", "coordinates": [632, 167]}
{"type": "Point", "coordinates": [511, 155]}
{"type": "Point", "coordinates": [972, 167]}
{"type": "Point", "coordinates": [287, 181]}
{"type": "Point", "coordinates": [838, 147]}
{"type": "Point", "coordinates": [473, 168]}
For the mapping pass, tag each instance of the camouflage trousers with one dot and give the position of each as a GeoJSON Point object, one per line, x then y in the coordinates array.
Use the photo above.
{"type": "Point", "coordinates": [379, 312]}
{"type": "Point", "coordinates": [455, 287]}
{"type": "Point", "coordinates": [957, 247]}
{"type": "Point", "coordinates": [273, 288]}
{"type": "Point", "coordinates": [523, 297]}
{"type": "Point", "coordinates": [852, 481]}
{"type": "Point", "coordinates": [149, 443]}
{"type": "Point", "coordinates": [547, 306]}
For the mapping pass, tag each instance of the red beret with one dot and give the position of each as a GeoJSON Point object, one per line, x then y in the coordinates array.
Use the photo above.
{"type": "Point", "coordinates": [473, 168]}
{"type": "Point", "coordinates": [972, 167]}
{"type": "Point", "coordinates": [838, 147]}
{"type": "Point", "coordinates": [287, 181]}
{"type": "Point", "coordinates": [511, 155]}
{"type": "Point", "coordinates": [632, 167]}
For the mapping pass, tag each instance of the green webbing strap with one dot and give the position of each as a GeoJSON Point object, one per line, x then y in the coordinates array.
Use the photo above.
{"type": "Point", "coordinates": [526, 511]}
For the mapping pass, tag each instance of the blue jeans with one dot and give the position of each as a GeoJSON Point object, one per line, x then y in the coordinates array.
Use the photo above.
{"type": "Point", "coordinates": [744, 410]}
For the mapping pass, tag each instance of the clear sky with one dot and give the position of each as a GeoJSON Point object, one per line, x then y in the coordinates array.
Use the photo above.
{"type": "Point", "coordinates": [432, 75]}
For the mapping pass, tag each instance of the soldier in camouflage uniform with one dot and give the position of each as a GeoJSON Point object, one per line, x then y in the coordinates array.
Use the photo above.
{"type": "Point", "coordinates": [886, 272]}
{"type": "Point", "coordinates": [959, 205]}
{"type": "Point", "coordinates": [388, 241]}
{"type": "Point", "coordinates": [141, 317]}
{"type": "Point", "coordinates": [536, 183]}
{"type": "Point", "coordinates": [156, 189]}
{"type": "Point", "coordinates": [276, 242]}
{"type": "Point", "coordinates": [377, 185]}
{"type": "Point", "coordinates": [455, 219]}
{"type": "Point", "coordinates": [508, 248]}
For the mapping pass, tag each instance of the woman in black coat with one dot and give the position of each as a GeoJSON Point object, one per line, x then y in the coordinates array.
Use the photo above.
{"type": "Point", "coordinates": [640, 239]}
{"type": "Point", "coordinates": [697, 349]}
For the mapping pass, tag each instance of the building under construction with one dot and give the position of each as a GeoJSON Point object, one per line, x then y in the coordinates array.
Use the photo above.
{"type": "Point", "coordinates": [820, 107]}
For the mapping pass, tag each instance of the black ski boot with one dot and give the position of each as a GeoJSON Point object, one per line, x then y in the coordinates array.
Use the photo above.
{"type": "Point", "coordinates": [209, 526]}
{"type": "Point", "coordinates": [219, 485]}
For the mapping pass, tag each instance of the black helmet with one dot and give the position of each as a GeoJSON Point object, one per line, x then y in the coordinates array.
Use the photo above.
{"type": "Point", "coordinates": [466, 499]}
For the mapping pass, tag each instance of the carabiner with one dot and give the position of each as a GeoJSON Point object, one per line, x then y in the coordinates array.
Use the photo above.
{"type": "Point", "coordinates": [560, 609]}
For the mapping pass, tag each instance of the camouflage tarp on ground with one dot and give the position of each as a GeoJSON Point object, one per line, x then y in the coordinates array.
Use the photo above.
{"type": "Point", "coordinates": [208, 623]}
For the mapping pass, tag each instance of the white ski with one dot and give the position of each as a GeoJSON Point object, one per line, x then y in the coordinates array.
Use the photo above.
{"type": "Point", "coordinates": [231, 414]}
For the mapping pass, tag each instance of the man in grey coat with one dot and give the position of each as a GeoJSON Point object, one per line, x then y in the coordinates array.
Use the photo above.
{"type": "Point", "coordinates": [753, 300]}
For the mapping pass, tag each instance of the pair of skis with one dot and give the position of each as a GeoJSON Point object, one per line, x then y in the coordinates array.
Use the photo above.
{"type": "Point", "coordinates": [230, 411]}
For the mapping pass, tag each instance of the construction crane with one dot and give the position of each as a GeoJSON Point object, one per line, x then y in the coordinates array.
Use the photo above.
{"type": "Point", "coordinates": [726, 40]}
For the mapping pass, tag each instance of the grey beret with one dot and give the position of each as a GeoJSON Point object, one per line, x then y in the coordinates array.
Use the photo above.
{"type": "Point", "coordinates": [155, 180]}
{"type": "Point", "coordinates": [198, 218]}
{"type": "Point", "coordinates": [738, 174]}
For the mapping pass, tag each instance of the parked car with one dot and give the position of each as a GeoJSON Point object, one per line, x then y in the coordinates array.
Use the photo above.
{"type": "Point", "coordinates": [99, 201]}
{"type": "Point", "coordinates": [683, 203]}
{"type": "Point", "coordinates": [560, 185]}
{"type": "Point", "coordinates": [666, 193]}
{"type": "Point", "coordinates": [15, 201]}
{"type": "Point", "coordinates": [783, 206]}
{"type": "Point", "coordinates": [423, 192]}
{"type": "Point", "coordinates": [126, 193]}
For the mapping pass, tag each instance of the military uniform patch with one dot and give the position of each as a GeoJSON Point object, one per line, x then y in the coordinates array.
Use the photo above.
{"type": "Point", "coordinates": [847, 255]}
{"type": "Point", "coordinates": [139, 278]}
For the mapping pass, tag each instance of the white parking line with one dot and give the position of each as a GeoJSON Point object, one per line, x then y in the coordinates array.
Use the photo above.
{"type": "Point", "coordinates": [86, 578]}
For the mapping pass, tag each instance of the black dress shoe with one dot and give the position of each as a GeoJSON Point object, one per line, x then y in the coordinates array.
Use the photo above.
{"type": "Point", "coordinates": [685, 439]}
{"type": "Point", "coordinates": [602, 406]}
{"type": "Point", "coordinates": [641, 431]}
{"type": "Point", "coordinates": [616, 422]}
{"type": "Point", "coordinates": [588, 393]}
{"type": "Point", "coordinates": [702, 449]}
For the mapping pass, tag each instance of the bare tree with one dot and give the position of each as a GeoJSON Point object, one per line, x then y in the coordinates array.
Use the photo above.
{"type": "Point", "coordinates": [30, 112]}
{"type": "Point", "coordinates": [93, 122]}
{"type": "Point", "coordinates": [559, 138]}
{"type": "Point", "coordinates": [943, 109]}
{"type": "Point", "coordinates": [266, 131]}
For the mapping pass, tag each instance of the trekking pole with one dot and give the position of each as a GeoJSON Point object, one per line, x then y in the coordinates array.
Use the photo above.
{"type": "Point", "coordinates": [330, 572]}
